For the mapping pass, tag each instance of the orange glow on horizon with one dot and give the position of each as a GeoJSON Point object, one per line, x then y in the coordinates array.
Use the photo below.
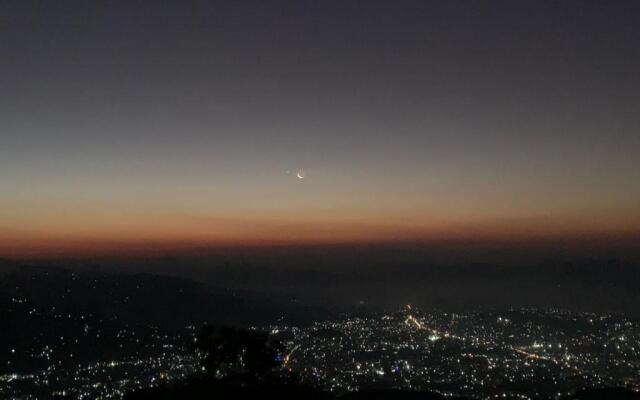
{"type": "Point", "coordinates": [160, 234]}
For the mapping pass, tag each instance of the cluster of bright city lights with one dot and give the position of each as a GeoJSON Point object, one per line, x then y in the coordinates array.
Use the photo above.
{"type": "Point", "coordinates": [524, 353]}
{"type": "Point", "coordinates": [521, 354]}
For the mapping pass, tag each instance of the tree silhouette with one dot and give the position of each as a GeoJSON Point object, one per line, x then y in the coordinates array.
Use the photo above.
{"type": "Point", "coordinates": [231, 351]}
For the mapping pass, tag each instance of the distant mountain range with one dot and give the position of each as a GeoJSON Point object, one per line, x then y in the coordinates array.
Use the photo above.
{"type": "Point", "coordinates": [457, 277]}
{"type": "Point", "coordinates": [385, 277]}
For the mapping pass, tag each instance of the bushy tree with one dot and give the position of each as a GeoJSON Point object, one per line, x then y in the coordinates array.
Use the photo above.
{"type": "Point", "coordinates": [237, 351]}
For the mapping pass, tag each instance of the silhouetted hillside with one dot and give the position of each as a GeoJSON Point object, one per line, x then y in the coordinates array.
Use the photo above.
{"type": "Point", "coordinates": [143, 298]}
{"type": "Point", "coordinates": [605, 394]}
{"type": "Point", "coordinates": [202, 389]}
{"type": "Point", "coordinates": [80, 316]}
{"type": "Point", "coordinates": [386, 277]}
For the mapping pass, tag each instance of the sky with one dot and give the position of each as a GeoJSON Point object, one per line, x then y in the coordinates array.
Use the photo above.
{"type": "Point", "coordinates": [132, 122]}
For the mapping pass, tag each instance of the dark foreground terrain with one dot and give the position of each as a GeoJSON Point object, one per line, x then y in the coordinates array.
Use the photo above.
{"type": "Point", "coordinates": [87, 333]}
{"type": "Point", "coordinates": [207, 390]}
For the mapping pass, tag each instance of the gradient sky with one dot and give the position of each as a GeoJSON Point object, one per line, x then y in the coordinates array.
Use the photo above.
{"type": "Point", "coordinates": [158, 120]}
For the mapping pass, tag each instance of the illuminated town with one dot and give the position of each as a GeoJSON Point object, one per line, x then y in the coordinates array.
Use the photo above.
{"type": "Point", "coordinates": [519, 354]}
{"type": "Point", "coordinates": [522, 353]}
{"type": "Point", "coordinates": [109, 379]}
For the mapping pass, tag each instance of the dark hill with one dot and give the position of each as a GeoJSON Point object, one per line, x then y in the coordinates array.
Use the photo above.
{"type": "Point", "coordinates": [85, 316]}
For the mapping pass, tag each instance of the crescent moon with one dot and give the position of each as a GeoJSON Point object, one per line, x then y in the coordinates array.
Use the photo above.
{"type": "Point", "coordinates": [300, 174]}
